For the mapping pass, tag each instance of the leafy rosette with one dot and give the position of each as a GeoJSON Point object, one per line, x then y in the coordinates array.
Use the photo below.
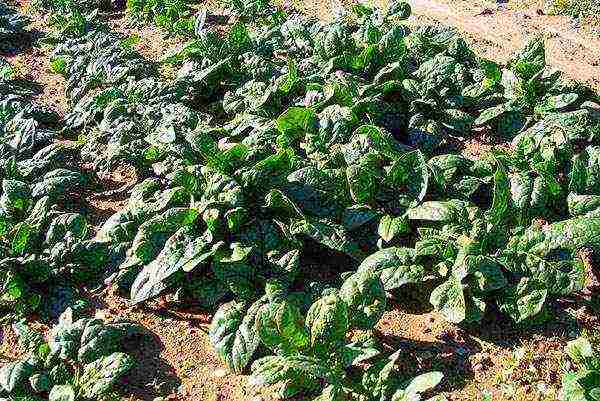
{"type": "Point", "coordinates": [82, 360]}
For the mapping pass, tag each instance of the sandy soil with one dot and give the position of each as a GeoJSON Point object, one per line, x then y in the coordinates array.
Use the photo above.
{"type": "Point", "coordinates": [177, 361]}
{"type": "Point", "coordinates": [32, 63]}
{"type": "Point", "coordinates": [152, 41]}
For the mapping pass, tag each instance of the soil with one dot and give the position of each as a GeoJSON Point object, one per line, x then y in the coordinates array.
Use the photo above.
{"type": "Point", "coordinates": [152, 41]}
{"type": "Point", "coordinates": [178, 354]}
{"type": "Point", "coordinates": [494, 361]}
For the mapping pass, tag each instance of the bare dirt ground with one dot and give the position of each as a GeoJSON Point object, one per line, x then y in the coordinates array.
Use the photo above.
{"type": "Point", "coordinates": [32, 63]}
{"type": "Point", "coordinates": [495, 361]}
{"type": "Point", "coordinates": [152, 41]}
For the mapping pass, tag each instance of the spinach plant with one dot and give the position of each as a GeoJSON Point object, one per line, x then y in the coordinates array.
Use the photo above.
{"type": "Point", "coordinates": [82, 360]}
{"type": "Point", "coordinates": [584, 384]}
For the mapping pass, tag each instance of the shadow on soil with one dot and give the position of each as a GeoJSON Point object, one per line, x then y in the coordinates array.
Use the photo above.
{"type": "Point", "coordinates": [449, 354]}
{"type": "Point", "coordinates": [152, 375]}
{"type": "Point", "coordinates": [25, 87]}
{"type": "Point", "coordinates": [449, 357]}
{"type": "Point", "coordinates": [196, 317]}
{"type": "Point", "coordinates": [454, 347]}
{"type": "Point", "coordinates": [25, 42]}
{"type": "Point", "coordinates": [557, 321]}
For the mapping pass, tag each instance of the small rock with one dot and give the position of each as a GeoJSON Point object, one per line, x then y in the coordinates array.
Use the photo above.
{"type": "Point", "coordinates": [220, 373]}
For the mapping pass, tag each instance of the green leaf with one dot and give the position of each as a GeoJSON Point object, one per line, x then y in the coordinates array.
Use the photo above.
{"type": "Point", "coordinates": [238, 38]}
{"type": "Point", "coordinates": [203, 143]}
{"type": "Point", "coordinates": [500, 203]}
{"type": "Point", "coordinates": [399, 9]}
{"type": "Point", "coordinates": [181, 252]}
{"type": "Point", "coordinates": [14, 287]}
{"type": "Point", "coordinates": [15, 195]}
{"type": "Point", "coordinates": [291, 78]}
{"type": "Point", "coordinates": [295, 122]}
{"type": "Point", "coordinates": [572, 389]}
{"type": "Point", "coordinates": [449, 299]}
{"type": "Point", "coordinates": [453, 211]}
{"type": "Point", "coordinates": [524, 300]}
{"type": "Point", "coordinates": [364, 295]}
{"type": "Point", "coordinates": [581, 204]}
{"type": "Point", "coordinates": [409, 176]}
{"type": "Point", "coordinates": [99, 376]}
{"type": "Point", "coordinates": [234, 335]}
{"type": "Point", "coordinates": [579, 350]}
{"type": "Point", "coordinates": [20, 241]}
{"type": "Point", "coordinates": [389, 227]}
{"type": "Point", "coordinates": [357, 216]}
{"type": "Point", "coordinates": [30, 339]}
{"type": "Point", "coordinates": [491, 114]}
{"type": "Point", "coordinates": [395, 267]}
{"type": "Point", "coordinates": [328, 234]}
{"type": "Point", "coordinates": [435, 71]}
{"type": "Point", "coordinates": [556, 103]}
{"type": "Point", "coordinates": [380, 140]}
{"type": "Point", "coordinates": [364, 60]}
{"type": "Point", "coordinates": [153, 234]}
{"type": "Point", "coordinates": [328, 321]}
{"type": "Point", "coordinates": [424, 382]}
{"type": "Point", "coordinates": [531, 59]}
{"type": "Point", "coordinates": [355, 353]}
{"type": "Point", "coordinates": [129, 42]}
{"type": "Point", "coordinates": [40, 383]}
{"type": "Point", "coordinates": [457, 120]}
{"type": "Point", "coordinates": [63, 392]}
{"type": "Point", "coordinates": [363, 181]}
{"type": "Point", "coordinates": [274, 369]}
{"type": "Point", "coordinates": [488, 274]}
{"type": "Point", "coordinates": [14, 375]}
{"type": "Point", "coordinates": [281, 327]}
